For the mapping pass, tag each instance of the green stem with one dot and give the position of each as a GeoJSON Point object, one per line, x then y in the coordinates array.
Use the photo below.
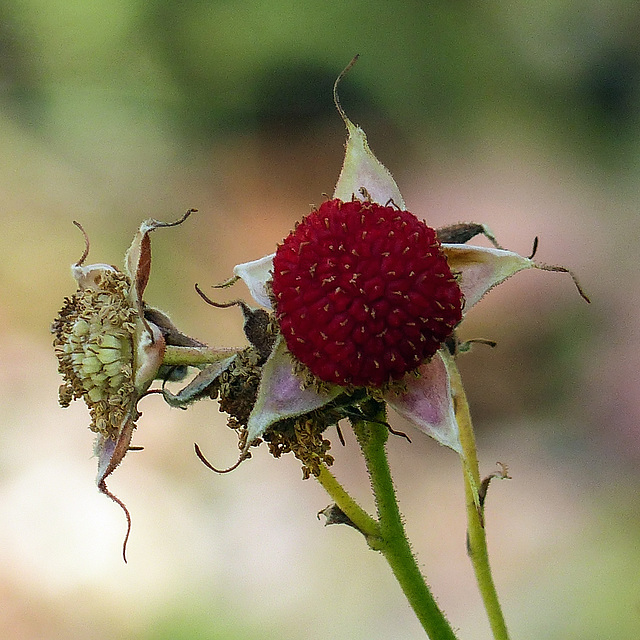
{"type": "Point", "coordinates": [394, 545]}
{"type": "Point", "coordinates": [360, 518]}
{"type": "Point", "coordinates": [194, 356]}
{"type": "Point", "coordinates": [476, 536]}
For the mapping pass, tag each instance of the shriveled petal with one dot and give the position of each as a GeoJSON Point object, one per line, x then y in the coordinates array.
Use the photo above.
{"type": "Point", "coordinates": [255, 275]}
{"type": "Point", "coordinates": [427, 403]}
{"type": "Point", "coordinates": [362, 169]}
{"type": "Point", "coordinates": [138, 257]}
{"type": "Point", "coordinates": [281, 394]}
{"type": "Point", "coordinates": [482, 268]}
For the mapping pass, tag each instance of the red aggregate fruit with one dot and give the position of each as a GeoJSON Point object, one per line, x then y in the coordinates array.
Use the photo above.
{"type": "Point", "coordinates": [363, 293]}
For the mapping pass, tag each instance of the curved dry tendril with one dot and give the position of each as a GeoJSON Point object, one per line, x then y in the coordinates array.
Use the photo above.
{"type": "Point", "coordinates": [177, 222]}
{"type": "Point", "coordinates": [489, 343]}
{"type": "Point", "coordinates": [394, 432]}
{"type": "Point", "coordinates": [391, 203]}
{"type": "Point", "coordinates": [219, 305]}
{"type": "Point", "coordinates": [206, 463]}
{"type": "Point", "coordinates": [344, 72]}
{"type": "Point", "coordinates": [86, 244]}
{"type": "Point", "coordinates": [103, 489]}
{"type": "Point", "coordinates": [559, 269]}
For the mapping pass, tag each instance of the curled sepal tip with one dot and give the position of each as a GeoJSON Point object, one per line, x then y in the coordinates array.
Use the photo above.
{"type": "Point", "coordinates": [363, 176]}
{"type": "Point", "coordinates": [243, 456]}
{"type": "Point", "coordinates": [559, 269]}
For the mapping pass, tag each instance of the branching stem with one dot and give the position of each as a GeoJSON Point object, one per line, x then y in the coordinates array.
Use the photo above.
{"type": "Point", "coordinates": [360, 518]}
{"type": "Point", "coordinates": [387, 534]}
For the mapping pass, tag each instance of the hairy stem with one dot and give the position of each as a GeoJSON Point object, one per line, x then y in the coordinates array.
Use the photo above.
{"type": "Point", "coordinates": [394, 545]}
{"type": "Point", "coordinates": [476, 535]}
{"type": "Point", "coordinates": [195, 356]}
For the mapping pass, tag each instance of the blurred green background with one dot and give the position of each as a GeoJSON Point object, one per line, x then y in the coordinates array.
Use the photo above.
{"type": "Point", "coordinates": [521, 115]}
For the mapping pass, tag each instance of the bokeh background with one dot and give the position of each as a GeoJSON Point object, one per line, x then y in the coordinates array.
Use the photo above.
{"type": "Point", "coordinates": [521, 115]}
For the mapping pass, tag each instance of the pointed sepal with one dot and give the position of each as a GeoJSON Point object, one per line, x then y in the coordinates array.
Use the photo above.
{"type": "Point", "coordinates": [199, 386]}
{"type": "Point", "coordinates": [482, 268]}
{"type": "Point", "coordinates": [110, 453]}
{"type": "Point", "coordinates": [362, 170]}
{"type": "Point", "coordinates": [282, 394]}
{"type": "Point", "coordinates": [426, 402]}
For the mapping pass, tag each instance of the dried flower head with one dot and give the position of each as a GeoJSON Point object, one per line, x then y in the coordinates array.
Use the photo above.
{"type": "Point", "coordinates": [93, 340]}
{"type": "Point", "coordinates": [110, 347]}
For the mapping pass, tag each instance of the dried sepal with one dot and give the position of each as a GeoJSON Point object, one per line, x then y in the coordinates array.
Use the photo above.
{"type": "Point", "coordinates": [200, 386]}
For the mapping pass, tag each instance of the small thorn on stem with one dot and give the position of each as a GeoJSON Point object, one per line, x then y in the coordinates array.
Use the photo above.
{"type": "Point", "coordinates": [335, 515]}
{"type": "Point", "coordinates": [534, 249]}
{"type": "Point", "coordinates": [243, 456]}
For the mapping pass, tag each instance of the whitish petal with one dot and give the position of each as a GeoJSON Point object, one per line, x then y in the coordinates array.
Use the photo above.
{"type": "Point", "coordinates": [281, 394]}
{"type": "Point", "coordinates": [86, 276]}
{"type": "Point", "coordinates": [362, 169]}
{"type": "Point", "coordinates": [427, 403]}
{"type": "Point", "coordinates": [255, 275]}
{"type": "Point", "coordinates": [481, 269]}
{"type": "Point", "coordinates": [150, 347]}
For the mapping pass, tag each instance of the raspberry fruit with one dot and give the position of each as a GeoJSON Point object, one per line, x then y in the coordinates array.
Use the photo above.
{"type": "Point", "coordinates": [363, 293]}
